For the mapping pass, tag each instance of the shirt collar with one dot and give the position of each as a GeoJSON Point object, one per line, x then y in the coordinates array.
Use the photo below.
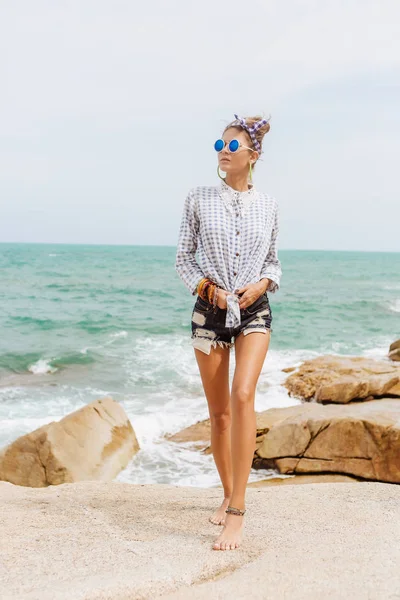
{"type": "Point", "coordinates": [232, 197]}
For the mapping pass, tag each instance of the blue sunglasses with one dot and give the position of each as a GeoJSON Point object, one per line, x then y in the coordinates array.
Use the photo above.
{"type": "Point", "coordinates": [233, 146]}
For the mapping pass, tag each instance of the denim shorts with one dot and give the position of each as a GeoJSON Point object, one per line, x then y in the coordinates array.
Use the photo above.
{"type": "Point", "coordinates": [208, 323]}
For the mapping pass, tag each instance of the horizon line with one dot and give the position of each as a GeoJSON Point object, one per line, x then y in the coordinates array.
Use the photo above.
{"type": "Point", "coordinates": [174, 246]}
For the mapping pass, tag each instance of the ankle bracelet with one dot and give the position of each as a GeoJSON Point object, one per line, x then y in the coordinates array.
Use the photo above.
{"type": "Point", "coordinates": [235, 511]}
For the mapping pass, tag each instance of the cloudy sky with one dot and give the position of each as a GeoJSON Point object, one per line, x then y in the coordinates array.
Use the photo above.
{"type": "Point", "coordinates": [109, 111]}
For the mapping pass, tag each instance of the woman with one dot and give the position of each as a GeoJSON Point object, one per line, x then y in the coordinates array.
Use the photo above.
{"type": "Point", "coordinates": [233, 227]}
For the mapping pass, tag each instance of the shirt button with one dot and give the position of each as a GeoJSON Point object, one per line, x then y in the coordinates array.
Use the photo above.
{"type": "Point", "coordinates": [234, 272]}
{"type": "Point", "coordinates": [237, 233]}
{"type": "Point", "coordinates": [237, 253]}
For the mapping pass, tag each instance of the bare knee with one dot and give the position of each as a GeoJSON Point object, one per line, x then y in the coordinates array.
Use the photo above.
{"type": "Point", "coordinates": [221, 421]}
{"type": "Point", "coordinates": [243, 398]}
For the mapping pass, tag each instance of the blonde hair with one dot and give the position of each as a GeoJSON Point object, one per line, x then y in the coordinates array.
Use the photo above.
{"type": "Point", "coordinates": [259, 134]}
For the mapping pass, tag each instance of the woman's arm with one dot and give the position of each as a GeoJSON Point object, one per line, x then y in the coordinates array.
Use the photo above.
{"type": "Point", "coordinates": [185, 262]}
{"type": "Point", "coordinates": [271, 268]}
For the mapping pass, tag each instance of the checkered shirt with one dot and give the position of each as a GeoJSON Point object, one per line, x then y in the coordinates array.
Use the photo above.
{"type": "Point", "coordinates": [235, 237]}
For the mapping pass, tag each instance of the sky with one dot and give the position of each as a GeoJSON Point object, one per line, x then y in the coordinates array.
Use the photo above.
{"type": "Point", "coordinates": [109, 111]}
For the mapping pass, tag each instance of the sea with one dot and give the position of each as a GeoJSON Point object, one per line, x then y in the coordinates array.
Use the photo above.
{"type": "Point", "coordinates": [80, 322]}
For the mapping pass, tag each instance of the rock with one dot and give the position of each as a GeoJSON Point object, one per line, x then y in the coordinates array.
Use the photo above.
{"type": "Point", "coordinates": [198, 435]}
{"type": "Point", "coordinates": [341, 379]}
{"type": "Point", "coordinates": [300, 479]}
{"type": "Point", "coordinates": [394, 351]}
{"type": "Point", "coordinates": [361, 439]}
{"type": "Point", "coordinates": [117, 540]}
{"type": "Point", "coordinates": [94, 442]}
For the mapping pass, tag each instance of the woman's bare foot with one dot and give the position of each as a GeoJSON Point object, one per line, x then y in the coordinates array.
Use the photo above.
{"type": "Point", "coordinates": [231, 536]}
{"type": "Point", "coordinates": [218, 518]}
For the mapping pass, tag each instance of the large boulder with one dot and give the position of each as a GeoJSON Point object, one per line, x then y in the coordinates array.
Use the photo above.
{"type": "Point", "coordinates": [394, 351]}
{"type": "Point", "coordinates": [198, 435]}
{"type": "Point", "coordinates": [341, 379]}
{"type": "Point", "coordinates": [360, 439]}
{"type": "Point", "coordinates": [94, 442]}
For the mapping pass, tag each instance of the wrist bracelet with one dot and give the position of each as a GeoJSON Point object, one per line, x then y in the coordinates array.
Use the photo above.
{"type": "Point", "coordinates": [215, 298]}
{"type": "Point", "coordinates": [200, 286]}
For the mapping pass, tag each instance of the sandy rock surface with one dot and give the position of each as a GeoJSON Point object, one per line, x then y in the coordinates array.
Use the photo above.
{"type": "Point", "coordinates": [115, 541]}
{"type": "Point", "coordinates": [94, 442]}
{"type": "Point", "coordinates": [301, 479]}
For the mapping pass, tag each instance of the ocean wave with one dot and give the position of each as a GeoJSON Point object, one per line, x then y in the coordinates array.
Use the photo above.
{"type": "Point", "coordinates": [55, 274]}
{"type": "Point", "coordinates": [395, 306]}
{"type": "Point", "coordinates": [38, 365]}
{"type": "Point", "coordinates": [119, 334]}
{"type": "Point", "coordinates": [107, 290]}
{"type": "Point", "coordinates": [41, 367]}
{"type": "Point", "coordinates": [43, 324]}
{"type": "Point", "coordinates": [65, 287]}
{"type": "Point", "coordinates": [101, 326]}
{"type": "Point", "coordinates": [391, 286]}
{"type": "Point", "coordinates": [152, 293]}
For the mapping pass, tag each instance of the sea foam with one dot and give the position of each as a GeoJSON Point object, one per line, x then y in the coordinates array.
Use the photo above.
{"type": "Point", "coordinates": [41, 367]}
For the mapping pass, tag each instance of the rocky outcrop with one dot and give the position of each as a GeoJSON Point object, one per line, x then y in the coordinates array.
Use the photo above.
{"type": "Point", "coordinates": [198, 435]}
{"type": "Point", "coordinates": [341, 379]}
{"type": "Point", "coordinates": [94, 442]}
{"type": "Point", "coordinates": [337, 433]}
{"type": "Point", "coordinates": [394, 351]}
{"type": "Point", "coordinates": [361, 439]}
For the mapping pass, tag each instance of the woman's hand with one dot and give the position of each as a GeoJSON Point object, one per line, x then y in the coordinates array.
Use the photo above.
{"type": "Point", "coordinates": [251, 292]}
{"type": "Point", "coordinates": [221, 301]}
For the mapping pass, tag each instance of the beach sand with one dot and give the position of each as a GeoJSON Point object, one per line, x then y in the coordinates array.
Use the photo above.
{"type": "Point", "coordinates": [95, 540]}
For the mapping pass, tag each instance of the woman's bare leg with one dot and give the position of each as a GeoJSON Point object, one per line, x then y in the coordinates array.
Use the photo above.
{"type": "Point", "coordinates": [214, 372]}
{"type": "Point", "coordinates": [250, 350]}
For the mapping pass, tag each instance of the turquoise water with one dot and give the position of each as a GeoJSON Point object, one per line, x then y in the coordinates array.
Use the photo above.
{"type": "Point", "coordinates": [78, 322]}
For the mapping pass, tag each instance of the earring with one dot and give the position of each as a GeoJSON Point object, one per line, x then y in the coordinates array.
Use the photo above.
{"type": "Point", "coordinates": [219, 174]}
{"type": "Point", "coordinates": [251, 174]}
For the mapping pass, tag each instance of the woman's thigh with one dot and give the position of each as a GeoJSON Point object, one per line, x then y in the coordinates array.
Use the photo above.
{"type": "Point", "coordinates": [250, 353]}
{"type": "Point", "coordinates": [214, 373]}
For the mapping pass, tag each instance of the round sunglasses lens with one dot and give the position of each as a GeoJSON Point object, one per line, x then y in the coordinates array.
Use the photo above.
{"type": "Point", "coordinates": [219, 145]}
{"type": "Point", "coordinates": [233, 145]}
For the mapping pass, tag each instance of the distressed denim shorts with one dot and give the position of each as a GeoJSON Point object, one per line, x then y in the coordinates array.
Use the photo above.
{"type": "Point", "coordinates": [208, 324]}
